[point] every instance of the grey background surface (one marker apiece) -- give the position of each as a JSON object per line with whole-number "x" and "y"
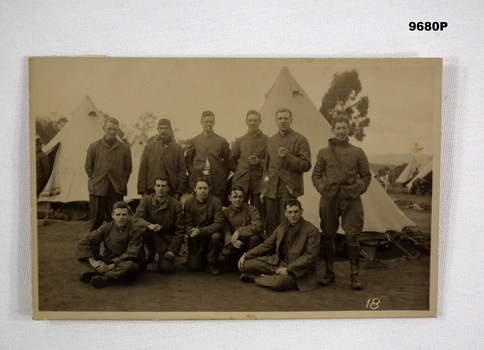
{"x": 254, "y": 29}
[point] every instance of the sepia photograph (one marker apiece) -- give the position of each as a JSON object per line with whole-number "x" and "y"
{"x": 230, "y": 188}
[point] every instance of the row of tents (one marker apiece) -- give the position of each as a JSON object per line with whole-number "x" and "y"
{"x": 411, "y": 173}
{"x": 68, "y": 182}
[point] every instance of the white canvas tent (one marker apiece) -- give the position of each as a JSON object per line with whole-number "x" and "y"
{"x": 424, "y": 171}
{"x": 407, "y": 173}
{"x": 137, "y": 148}
{"x": 381, "y": 213}
{"x": 68, "y": 181}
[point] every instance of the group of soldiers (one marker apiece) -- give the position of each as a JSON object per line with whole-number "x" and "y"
{"x": 268, "y": 240}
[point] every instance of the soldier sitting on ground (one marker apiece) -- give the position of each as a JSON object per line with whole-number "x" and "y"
{"x": 287, "y": 259}
{"x": 123, "y": 256}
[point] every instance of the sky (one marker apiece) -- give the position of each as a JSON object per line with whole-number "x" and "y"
{"x": 404, "y": 95}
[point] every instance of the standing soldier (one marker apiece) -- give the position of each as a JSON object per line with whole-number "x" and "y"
{"x": 162, "y": 158}
{"x": 248, "y": 158}
{"x": 288, "y": 157}
{"x": 208, "y": 155}
{"x": 341, "y": 175}
{"x": 108, "y": 166}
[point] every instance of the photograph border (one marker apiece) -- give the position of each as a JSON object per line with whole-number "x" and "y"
{"x": 253, "y": 315}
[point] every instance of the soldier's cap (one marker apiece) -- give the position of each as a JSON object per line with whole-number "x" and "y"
{"x": 164, "y": 121}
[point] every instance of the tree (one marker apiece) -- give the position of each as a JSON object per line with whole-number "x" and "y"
{"x": 48, "y": 126}
{"x": 342, "y": 98}
{"x": 140, "y": 129}
{"x": 146, "y": 122}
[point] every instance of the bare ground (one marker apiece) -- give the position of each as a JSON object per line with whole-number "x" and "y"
{"x": 400, "y": 283}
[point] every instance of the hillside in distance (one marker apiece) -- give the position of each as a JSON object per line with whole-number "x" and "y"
{"x": 394, "y": 159}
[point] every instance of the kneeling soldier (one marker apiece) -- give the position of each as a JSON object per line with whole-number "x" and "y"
{"x": 204, "y": 219}
{"x": 243, "y": 227}
{"x": 161, "y": 217}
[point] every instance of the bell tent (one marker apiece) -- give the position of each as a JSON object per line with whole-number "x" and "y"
{"x": 424, "y": 171}
{"x": 407, "y": 173}
{"x": 137, "y": 148}
{"x": 381, "y": 213}
{"x": 68, "y": 181}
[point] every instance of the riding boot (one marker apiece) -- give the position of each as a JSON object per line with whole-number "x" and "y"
{"x": 329, "y": 254}
{"x": 354, "y": 257}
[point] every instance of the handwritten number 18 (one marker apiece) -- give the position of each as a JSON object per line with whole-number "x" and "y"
{"x": 372, "y": 303}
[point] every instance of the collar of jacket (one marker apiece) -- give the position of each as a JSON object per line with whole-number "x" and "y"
{"x": 297, "y": 226}
{"x": 209, "y": 197}
{"x": 158, "y": 138}
{"x": 335, "y": 142}
{"x": 257, "y": 134}
{"x": 235, "y": 210}
{"x": 105, "y": 144}
{"x": 288, "y": 132}
{"x": 126, "y": 228}
{"x": 154, "y": 202}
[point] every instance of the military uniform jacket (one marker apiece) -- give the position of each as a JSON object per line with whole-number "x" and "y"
{"x": 169, "y": 216}
{"x": 214, "y": 148}
{"x": 352, "y": 161}
{"x": 289, "y": 169}
{"x": 244, "y": 172}
{"x": 157, "y": 157}
{"x": 302, "y": 252}
{"x": 246, "y": 221}
{"x": 207, "y": 216}
{"x": 105, "y": 164}
{"x": 118, "y": 246}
